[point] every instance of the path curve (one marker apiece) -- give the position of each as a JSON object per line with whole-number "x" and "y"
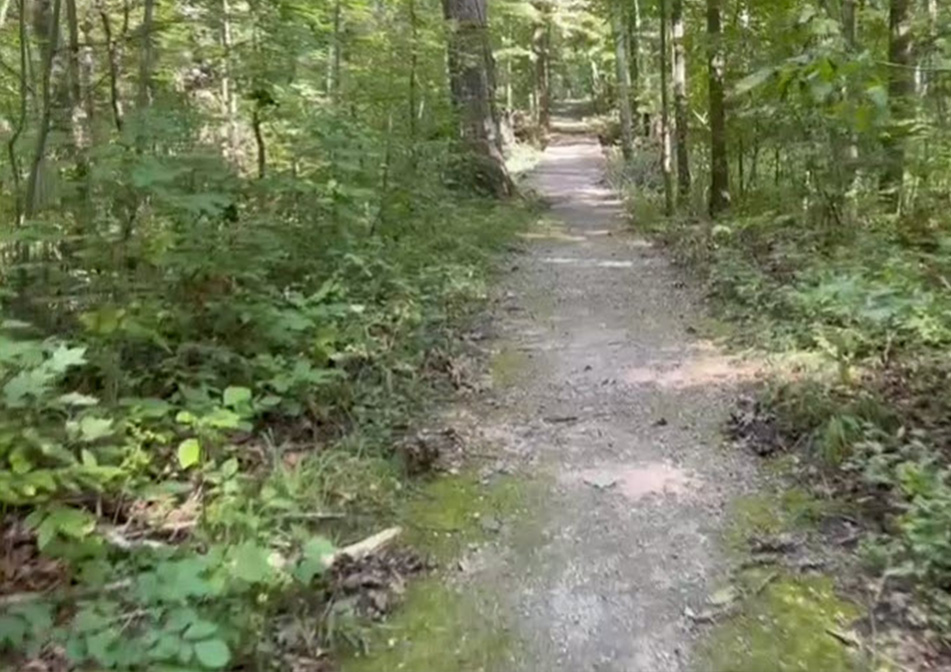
{"x": 604, "y": 389}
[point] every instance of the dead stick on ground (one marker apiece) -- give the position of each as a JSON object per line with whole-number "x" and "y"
{"x": 366, "y": 547}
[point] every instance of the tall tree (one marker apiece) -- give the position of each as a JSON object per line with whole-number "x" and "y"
{"x": 473, "y": 95}
{"x": 623, "y": 82}
{"x": 901, "y": 88}
{"x": 633, "y": 20}
{"x": 541, "y": 45}
{"x": 719, "y": 166}
{"x": 680, "y": 98}
{"x": 665, "y": 141}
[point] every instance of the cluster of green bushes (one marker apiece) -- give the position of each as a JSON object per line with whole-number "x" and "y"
{"x": 166, "y": 453}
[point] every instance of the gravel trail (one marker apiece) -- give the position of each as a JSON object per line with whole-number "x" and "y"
{"x": 602, "y": 386}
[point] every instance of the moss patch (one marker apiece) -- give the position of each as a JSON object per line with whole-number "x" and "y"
{"x": 785, "y": 628}
{"x": 766, "y": 514}
{"x": 438, "y": 629}
{"x": 453, "y": 511}
{"x": 508, "y": 366}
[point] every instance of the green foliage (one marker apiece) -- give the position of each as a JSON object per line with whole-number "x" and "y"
{"x": 228, "y": 250}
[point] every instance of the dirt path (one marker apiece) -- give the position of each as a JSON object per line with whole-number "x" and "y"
{"x": 602, "y": 387}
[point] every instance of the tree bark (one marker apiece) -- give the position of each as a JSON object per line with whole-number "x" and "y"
{"x": 901, "y": 88}
{"x": 145, "y": 94}
{"x": 334, "y": 58}
{"x": 849, "y": 25}
{"x": 680, "y": 99}
{"x": 471, "y": 85}
{"x": 228, "y": 95}
{"x": 49, "y": 45}
{"x": 665, "y": 153}
{"x": 541, "y": 45}
{"x": 21, "y": 119}
{"x": 112, "y": 51}
{"x": 633, "y": 18}
{"x": 719, "y": 171}
{"x": 623, "y": 83}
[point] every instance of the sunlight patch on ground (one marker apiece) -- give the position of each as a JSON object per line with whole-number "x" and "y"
{"x": 638, "y": 481}
{"x": 707, "y": 367}
{"x": 596, "y": 263}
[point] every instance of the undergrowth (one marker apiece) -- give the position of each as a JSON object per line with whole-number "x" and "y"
{"x": 176, "y": 467}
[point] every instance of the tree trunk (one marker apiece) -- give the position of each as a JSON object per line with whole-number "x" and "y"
{"x": 48, "y": 49}
{"x": 633, "y": 17}
{"x": 540, "y": 48}
{"x": 471, "y": 86}
{"x": 413, "y": 64}
{"x": 145, "y": 94}
{"x": 665, "y": 157}
{"x": 114, "y": 58}
{"x": 680, "y": 99}
{"x": 228, "y": 96}
{"x": 623, "y": 83}
{"x": 333, "y": 60}
{"x": 22, "y": 115}
{"x": 901, "y": 88}
{"x": 849, "y": 25}
{"x": 719, "y": 168}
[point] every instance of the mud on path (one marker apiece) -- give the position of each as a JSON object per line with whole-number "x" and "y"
{"x": 602, "y": 388}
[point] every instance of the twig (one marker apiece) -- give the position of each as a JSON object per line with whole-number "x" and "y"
{"x": 762, "y": 586}
{"x": 317, "y": 515}
{"x": 366, "y": 547}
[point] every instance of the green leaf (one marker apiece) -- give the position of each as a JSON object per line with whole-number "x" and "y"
{"x": 65, "y": 521}
{"x": 222, "y": 418}
{"x": 189, "y": 453}
{"x": 29, "y": 383}
{"x": 212, "y": 653}
{"x": 314, "y": 559}
{"x": 200, "y": 630}
{"x": 77, "y": 399}
{"x": 235, "y": 396}
{"x": 93, "y": 429}
{"x": 753, "y": 81}
{"x": 249, "y": 562}
{"x": 64, "y": 358}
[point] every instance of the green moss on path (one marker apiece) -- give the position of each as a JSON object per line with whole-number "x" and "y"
{"x": 439, "y": 626}
{"x": 787, "y": 627}
{"x": 438, "y": 629}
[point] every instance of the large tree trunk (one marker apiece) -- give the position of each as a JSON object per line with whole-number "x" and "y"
{"x": 473, "y": 97}
{"x": 720, "y": 170}
{"x": 665, "y": 158}
{"x": 901, "y": 87}
{"x": 623, "y": 83}
{"x": 680, "y": 98}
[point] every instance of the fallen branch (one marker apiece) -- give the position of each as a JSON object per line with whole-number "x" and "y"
{"x": 363, "y": 548}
